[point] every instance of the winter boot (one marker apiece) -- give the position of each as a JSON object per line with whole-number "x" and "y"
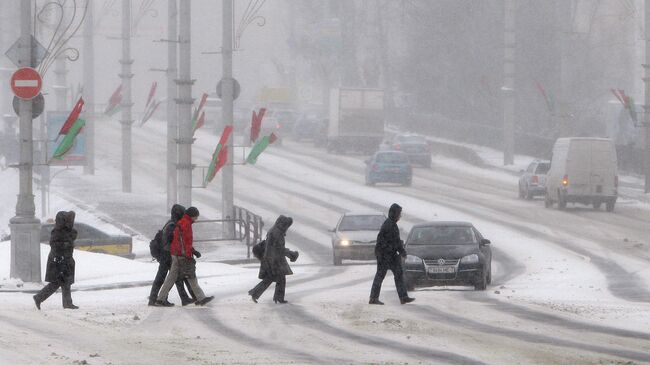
{"x": 375, "y": 301}
{"x": 37, "y": 302}
{"x": 406, "y": 300}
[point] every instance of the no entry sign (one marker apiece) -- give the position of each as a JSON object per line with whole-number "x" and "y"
{"x": 26, "y": 83}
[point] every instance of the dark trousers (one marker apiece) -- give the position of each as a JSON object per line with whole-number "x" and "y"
{"x": 51, "y": 288}
{"x": 280, "y": 285}
{"x": 163, "y": 269}
{"x": 383, "y": 265}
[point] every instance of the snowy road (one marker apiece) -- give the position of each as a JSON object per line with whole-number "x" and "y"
{"x": 568, "y": 287}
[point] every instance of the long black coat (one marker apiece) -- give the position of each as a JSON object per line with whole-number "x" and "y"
{"x": 177, "y": 213}
{"x": 389, "y": 245}
{"x": 274, "y": 263}
{"x": 61, "y": 248}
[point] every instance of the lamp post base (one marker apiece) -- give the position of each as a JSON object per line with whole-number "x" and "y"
{"x": 25, "y": 249}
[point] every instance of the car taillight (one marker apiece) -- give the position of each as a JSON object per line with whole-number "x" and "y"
{"x": 616, "y": 181}
{"x": 375, "y": 167}
{"x": 565, "y": 180}
{"x": 535, "y": 179}
{"x": 397, "y": 146}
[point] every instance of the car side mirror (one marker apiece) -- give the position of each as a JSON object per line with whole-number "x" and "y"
{"x": 485, "y": 242}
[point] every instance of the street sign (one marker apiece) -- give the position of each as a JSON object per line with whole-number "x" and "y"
{"x": 38, "y": 104}
{"x": 235, "y": 92}
{"x": 26, "y": 83}
{"x": 38, "y": 53}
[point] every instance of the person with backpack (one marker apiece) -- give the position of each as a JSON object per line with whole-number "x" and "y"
{"x": 159, "y": 248}
{"x": 183, "y": 263}
{"x": 274, "y": 266}
{"x": 60, "y": 263}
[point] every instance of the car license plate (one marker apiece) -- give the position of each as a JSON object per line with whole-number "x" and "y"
{"x": 441, "y": 269}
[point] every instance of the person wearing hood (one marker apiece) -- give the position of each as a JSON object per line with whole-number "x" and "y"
{"x": 165, "y": 261}
{"x": 183, "y": 263}
{"x": 60, "y": 264}
{"x": 389, "y": 250}
{"x": 274, "y": 266}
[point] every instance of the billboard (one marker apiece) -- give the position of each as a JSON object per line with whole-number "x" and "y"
{"x": 77, "y": 154}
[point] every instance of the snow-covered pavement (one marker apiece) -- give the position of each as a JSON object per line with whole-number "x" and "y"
{"x": 569, "y": 287}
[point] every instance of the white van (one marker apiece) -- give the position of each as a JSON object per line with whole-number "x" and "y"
{"x": 583, "y": 170}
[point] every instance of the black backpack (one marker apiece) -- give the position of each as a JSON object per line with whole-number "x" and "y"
{"x": 157, "y": 246}
{"x": 258, "y": 250}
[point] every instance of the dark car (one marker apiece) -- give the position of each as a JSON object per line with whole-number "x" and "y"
{"x": 355, "y": 236}
{"x": 533, "y": 181}
{"x": 92, "y": 239}
{"x": 447, "y": 253}
{"x": 389, "y": 166}
{"x": 416, "y": 147}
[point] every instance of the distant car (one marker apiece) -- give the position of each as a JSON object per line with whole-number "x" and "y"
{"x": 320, "y": 139}
{"x": 416, "y": 147}
{"x": 355, "y": 236}
{"x": 533, "y": 180}
{"x": 307, "y": 126}
{"x": 447, "y": 253}
{"x": 94, "y": 240}
{"x": 389, "y": 166}
{"x": 286, "y": 118}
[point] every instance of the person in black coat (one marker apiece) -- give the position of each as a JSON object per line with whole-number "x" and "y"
{"x": 165, "y": 262}
{"x": 389, "y": 250}
{"x": 60, "y": 264}
{"x": 274, "y": 266}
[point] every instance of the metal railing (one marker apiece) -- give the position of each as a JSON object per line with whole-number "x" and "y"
{"x": 247, "y": 228}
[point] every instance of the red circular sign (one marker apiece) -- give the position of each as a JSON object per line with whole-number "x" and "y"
{"x": 26, "y": 83}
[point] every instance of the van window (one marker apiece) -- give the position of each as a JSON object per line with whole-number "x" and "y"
{"x": 542, "y": 168}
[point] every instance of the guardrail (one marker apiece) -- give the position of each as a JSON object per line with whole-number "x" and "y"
{"x": 247, "y": 228}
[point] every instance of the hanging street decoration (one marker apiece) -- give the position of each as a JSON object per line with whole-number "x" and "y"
{"x": 114, "y": 102}
{"x": 72, "y": 118}
{"x": 627, "y": 101}
{"x": 220, "y": 155}
{"x": 256, "y": 124}
{"x": 68, "y": 141}
{"x": 152, "y": 104}
{"x": 548, "y": 99}
{"x": 259, "y": 147}
{"x": 198, "y": 118}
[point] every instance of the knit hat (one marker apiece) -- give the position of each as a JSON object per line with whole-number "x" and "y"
{"x": 192, "y": 212}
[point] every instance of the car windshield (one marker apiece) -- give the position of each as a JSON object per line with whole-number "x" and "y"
{"x": 361, "y": 223}
{"x": 412, "y": 139}
{"x": 542, "y": 167}
{"x": 442, "y": 235}
{"x": 391, "y": 158}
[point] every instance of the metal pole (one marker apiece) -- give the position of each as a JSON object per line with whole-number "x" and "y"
{"x": 61, "y": 88}
{"x": 172, "y": 95}
{"x": 25, "y": 228}
{"x": 89, "y": 90}
{"x": 646, "y": 80}
{"x": 227, "y": 187}
{"x": 509, "y": 83}
{"x": 185, "y": 102}
{"x": 126, "y": 76}
{"x": 563, "y": 32}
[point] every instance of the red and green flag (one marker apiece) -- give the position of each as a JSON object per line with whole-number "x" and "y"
{"x": 68, "y": 141}
{"x": 152, "y": 104}
{"x": 627, "y": 101}
{"x": 259, "y": 147}
{"x": 220, "y": 155}
{"x": 72, "y": 118}
{"x": 548, "y": 98}
{"x": 198, "y": 119}
{"x": 256, "y": 124}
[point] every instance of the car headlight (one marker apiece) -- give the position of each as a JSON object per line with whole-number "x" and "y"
{"x": 344, "y": 242}
{"x": 413, "y": 260}
{"x": 470, "y": 259}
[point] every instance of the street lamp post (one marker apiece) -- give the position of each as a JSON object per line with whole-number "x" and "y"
{"x": 227, "y": 187}
{"x": 25, "y": 227}
{"x": 126, "y": 76}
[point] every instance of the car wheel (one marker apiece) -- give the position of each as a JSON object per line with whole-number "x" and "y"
{"x": 521, "y": 192}
{"x": 337, "y": 261}
{"x": 489, "y": 275}
{"x": 548, "y": 203}
{"x": 596, "y": 205}
{"x": 528, "y": 194}
{"x": 561, "y": 202}
{"x": 609, "y": 206}
{"x": 481, "y": 284}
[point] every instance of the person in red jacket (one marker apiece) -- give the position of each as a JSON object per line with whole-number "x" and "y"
{"x": 183, "y": 263}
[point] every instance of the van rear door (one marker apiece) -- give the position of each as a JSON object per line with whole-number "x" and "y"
{"x": 603, "y": 168}
{"x": 578, "y": 167}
